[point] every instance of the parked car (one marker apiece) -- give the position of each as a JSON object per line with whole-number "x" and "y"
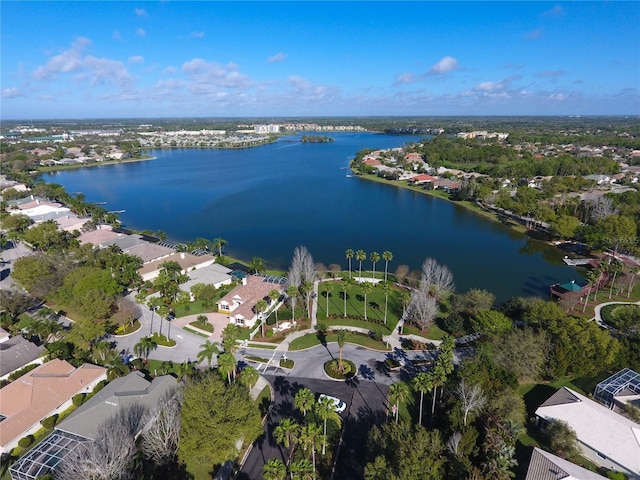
{"x": 338, "y": 405}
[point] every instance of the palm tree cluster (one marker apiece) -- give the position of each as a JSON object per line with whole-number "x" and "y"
{"x": 374, "y": 257}
{"x": 302, "y": 439}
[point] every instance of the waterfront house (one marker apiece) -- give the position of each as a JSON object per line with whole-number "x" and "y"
{"x": 604, "y": 437}
{"x": 422, "y": 179}
{"x": 215, "y": 274}
{"x": 187, "y": 262}
{"x": 44, "y": 391}
{"x": 239, "y": 303}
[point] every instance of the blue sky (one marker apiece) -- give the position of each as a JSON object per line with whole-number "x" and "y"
{"x": 236, "y": 59}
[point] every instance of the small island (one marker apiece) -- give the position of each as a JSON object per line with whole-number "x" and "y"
{"x": 316, "y": 139}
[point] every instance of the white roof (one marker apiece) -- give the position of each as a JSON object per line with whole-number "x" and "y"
{"x": 601, "y": 429}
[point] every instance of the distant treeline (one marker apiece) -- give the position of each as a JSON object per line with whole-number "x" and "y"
{"x": 316, "y": 139}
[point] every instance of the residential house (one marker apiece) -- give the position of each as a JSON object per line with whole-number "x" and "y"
{"x": 422, "y": 179}
{"x": 82, "y": 426}
{"x": 239, "y": 303}
{"x": 547, "y": 466}
{"x": 605, "y": 437}
{"x": 17, "y": 352}
{"x": 446, "y": 184}
{"x": 41, "y": 393}
{"x": 215, "y": 274}
{"x": 187, "y": 262}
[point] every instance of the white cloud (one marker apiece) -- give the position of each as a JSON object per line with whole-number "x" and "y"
{"x": 197, "y": 34}
{"x": 278, "y": 57}
{"x": 211, "y": 74}
{"x": 405, "y": 78}
{"x": 84, "y": 67}
{"x": 141, "y": 12}
{"x": 551, "y": 74}
{"x": 141, "y": 32}
{"x": 533, "y": 34}
{"x": 555, "y": 11}
{"x": 11, "y": 92}
{"x": 446, "y": 64}
{"x": 503, "y": 87}
{"x": 136, "y": 59}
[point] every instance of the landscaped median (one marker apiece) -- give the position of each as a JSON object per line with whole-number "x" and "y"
{"x": 357, "y": 338}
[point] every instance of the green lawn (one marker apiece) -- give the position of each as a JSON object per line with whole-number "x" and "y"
{"x": 355, "y": 301}
{"x": 312, "y": 339}
{"x": 432, "y": 333}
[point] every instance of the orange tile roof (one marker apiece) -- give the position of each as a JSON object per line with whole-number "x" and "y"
{"x": 250, "y": 294}
{"x": 37, "y": 394}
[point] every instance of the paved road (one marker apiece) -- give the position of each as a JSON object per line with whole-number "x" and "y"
{"x": 366, "y": 406}
{"x": 10, "y": 253}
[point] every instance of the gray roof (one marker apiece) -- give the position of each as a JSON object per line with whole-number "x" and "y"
{"x": 213, "y": 275}
{"x": 16, "y": 352}
{"x": 148, "y": 252}
{"x": 546, "y": 466}
{"x": 561, "y": 397}
{"x": 121, "y": 392}
{"x": 126, "y": 242}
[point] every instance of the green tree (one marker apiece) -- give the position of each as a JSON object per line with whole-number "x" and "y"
{"x": 248, "y": 377}
{"x": 349, "y": 254}
{"x": 227, "y": 366}
{"x": 304, "y": 400}
{"x": 260, "y": 307}
{"x": 422, "y": 383}
{"x": 292, "y": 293}
{"x": 366, "y": 288}
{"x": 219, "y": 244}
{"x": 257, "y": 265}
{"x": 438, "y": 377}
{"x": 398, "y": 392}
{"x": 324, "y": 411}
{"x": 360, "y": 256}
{"x": 565, "y": 226}
{"x": 375, "y": 258}
{"x": 217, "y": 420}
{"x": 309, "y": 439}
{"x": 230, "y": 336}
{"x": 286, "y": 434}
{"x": 562, "y": 439}
{"x": 274, "y": 469}
{"x": 144, "y": 347}
{"x": 491, "y": 321}
{"x": 342, "y": 339}
{"x": 302, "y": 470}
{"x": 274, "y": 296}
{"x": 344, "y": 284}
{"x": 387, "y": 256}
{"x": 386, "y": 288}
{"x": 207, "y": 351}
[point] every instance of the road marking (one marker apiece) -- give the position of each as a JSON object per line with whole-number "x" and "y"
{"x": 179, "y": 336}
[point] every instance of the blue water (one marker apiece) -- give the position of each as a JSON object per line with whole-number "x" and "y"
{"x": 267, "y": 200}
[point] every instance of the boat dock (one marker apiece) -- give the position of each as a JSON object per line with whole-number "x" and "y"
{"x": 576, "y": 261}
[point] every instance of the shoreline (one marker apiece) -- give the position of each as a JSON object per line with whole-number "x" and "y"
{"x": 58, "y": 168}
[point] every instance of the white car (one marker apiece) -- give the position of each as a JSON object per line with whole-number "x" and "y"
{"x": 338, "y": 405}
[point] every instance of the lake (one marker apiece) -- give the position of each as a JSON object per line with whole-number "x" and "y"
{"x": 267, "y": 200}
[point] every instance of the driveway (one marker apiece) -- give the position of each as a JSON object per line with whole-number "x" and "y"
{"x": 218, "y": 320}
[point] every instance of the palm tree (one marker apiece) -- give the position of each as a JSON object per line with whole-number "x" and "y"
{"x": 286, "y": 433}
{"x": 304, "y": 400}
{"x": 387, "y": 256}
{"x": 302, "y": 470}
{"x": 185, "y": 369}
{"x": 257, "y": 265}
{"x": 632, "y": 276}
{"x": 422, "y": 383}
{"x": 375, "y": 258}
{"x": 360, "y": 256}
{"x": 386, "y": 288}
{"x": 144, "y": 346}
{"x": 398, "y": 392}
{"x": 274, "y": 469}
{"x": 227, "y": 365}
{"x": 615, "y": 267}
{"x": 342, "y": 339}
{"x": 306, "y": 289}
{"x": 405, "y": 299}
{"x": 309, "y": 436}
{"x": 437, "y": 376}
{"x": 592, "y": 277}
{"x": 349, "y": 255}
{"x": 327, "y": 294}
{"x": 207, "y": 350}
{"x": 325, "y": 410}
{"x": 219, "y": 244}
{"x": 259, "y": 307}
{"x": 117, "y": 369}
{"x": 345, "y": 286}
{"x": 249, "y": 377}
{"x": 292, "y": 293}
{"x": 366, "y": 288}
{"x": 274, "y": 295}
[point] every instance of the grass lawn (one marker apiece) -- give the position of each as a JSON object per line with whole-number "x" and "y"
{"x": 158, "y": 367}
{"x": 348, "y": 322}
{"x": 312, "y": 340}
{"x": 355, "y": 301}
{"x": 193, "y": 308}
{"x": 432, "y": 333}
{"x": 191, "y": 330}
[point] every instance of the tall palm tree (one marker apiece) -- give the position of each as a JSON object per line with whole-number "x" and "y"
{"x": 227, "y": 365}
{"x": 405, "y": 299}
{"x": 207, "y": 351}
{"x": 438, "y": 377}
{"x": 345, "y": 286}
{"x": 592, "y": 277}
{"x": 306, "y": 289}
{"x": 292, "y": 293}
{"x": 375, "y": 258}
{"x": 342, "y": 339}
{"x": 249, "y": 377}
{"x": 274, "y": 296}
{"x": 185, "y": 369}
{"x": 117, "y": 369}
{"x": 422, "y": 383}
{"x": 144, "y": 346}
{"x": 309, "y": 437}
{"x": 386, "y": 288}
{"x": 366, "y": 288}
{"x": 349, "y": 255}
{"x": 219, "y": 244}
{"x": 398, "y": 392}
{"x": 259, "y": 308}
{"x": 325, "y": 410}
{"x": 304, "y": 400}
{"x": 387, "y": 256}
{"x": 274, "y": 469}
{"x": 286, "y": 433}
{"x": 257, "y": 265}
{"x": 615, "y": 267}
{"x": 360, "y": 256}
{"x": 302, "y": 470}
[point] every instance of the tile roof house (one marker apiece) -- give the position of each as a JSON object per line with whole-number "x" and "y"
{"x": 187, "y": 261}
{"x": 547, "y": 466}
{"x": 40, "y": 393}
{"x": 605, "y": 437}
{"x": 215, "y": 274}
{"x": 17, "y": 352}
{"x": 422, "y": 179}
{"x": 239, "y": 303}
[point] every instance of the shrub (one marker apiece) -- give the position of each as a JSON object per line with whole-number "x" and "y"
{"x": 22, "y": 371}
{"x": 78, "y": 399}
{"x": 269, "y": 333}
{"x": 201, "y": 319}
{"x": 50, "y": 422}
{"x": 24, "y": 442}
{"x": 288, "y": 363}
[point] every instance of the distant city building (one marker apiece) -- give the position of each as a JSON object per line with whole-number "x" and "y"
{"x": 266, "y": 129}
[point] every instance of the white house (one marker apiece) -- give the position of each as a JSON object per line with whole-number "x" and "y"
{"x": 604, "y": 436}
